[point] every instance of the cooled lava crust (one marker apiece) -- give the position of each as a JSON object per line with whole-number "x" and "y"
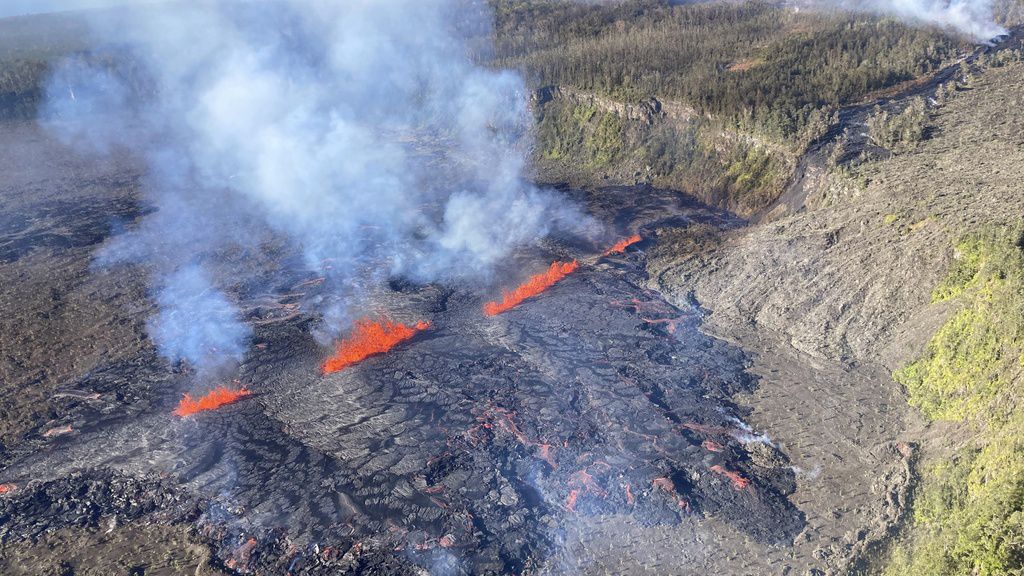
{"x": 467, "y": 449}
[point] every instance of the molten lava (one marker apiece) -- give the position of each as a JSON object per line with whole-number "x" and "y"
{"x": 570, "y": 502}
{"x": 535, "y": 285}
{"x": 738, "y": 481}
{"x": 57, "y": 431}
{"x": 621, "y": 245}
{"x": 712, "y": 446}
{"x": 211, "y": 401}
{"x": 547, "y": 456}
{"x": 369, "y": 338}
{"x": 669, "y": 487}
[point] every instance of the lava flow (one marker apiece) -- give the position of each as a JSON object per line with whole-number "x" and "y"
{"x": 535, "y": 285}
{"x": 738, "y": 481}
{"x": 621, "y": 245}
{"x": 369, "y": 338}
{"x": 210, "y": 401}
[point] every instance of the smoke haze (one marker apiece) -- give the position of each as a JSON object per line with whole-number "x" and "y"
{"x": 359, "y": 131}
{"x": 974, "y": 18}
{"x": 23, "y": 7}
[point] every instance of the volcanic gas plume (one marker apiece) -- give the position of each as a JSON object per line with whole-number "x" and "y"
{"x": 535, "y": 285}
{"x": 211, "y": 401}
{"x": 621, "y": 245}
{"x": 369, "y": 338}
{"x": 305, "y": 125}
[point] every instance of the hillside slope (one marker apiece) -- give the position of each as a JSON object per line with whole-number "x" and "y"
{"x": 839, "y": 296}
{"x": 849, "y": 281}
{"x": 716, "y": 99}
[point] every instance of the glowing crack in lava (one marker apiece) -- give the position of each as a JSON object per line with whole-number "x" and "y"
{"x": 621, "y": 245}
{"x": 369, "y": 338}
{"x": 738, "y": 481}
{"x": 535, "y": 285}
{"x": 210, "y": 401}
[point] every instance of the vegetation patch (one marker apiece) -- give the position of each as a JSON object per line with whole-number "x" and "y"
{"x": 900, "y": 132}
{"x": 781, "y": 66}
{"x": 969, "y": 510}
{"x": 699, "y": 156}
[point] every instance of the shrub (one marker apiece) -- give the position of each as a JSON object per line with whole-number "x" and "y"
{"x": 969, "y": 511}
{"x": 899, "y": 132}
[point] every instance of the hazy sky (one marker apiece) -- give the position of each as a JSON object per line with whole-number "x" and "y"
{"x": 20, "y": 7}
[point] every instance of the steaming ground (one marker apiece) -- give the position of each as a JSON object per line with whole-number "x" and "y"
{"x": 485, "y": 444}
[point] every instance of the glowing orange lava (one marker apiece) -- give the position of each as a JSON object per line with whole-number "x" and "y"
{"x": 547, "y": 456}
{"x": 242, "y": 556}
{"x": 738, "y": 481}
{"x": 211, "y": 401}
{"x": 369, "y": 338}
{"x": 712, "y": 446}
{"x": 666, "y": 485}
{"x": 570, "y": 502}
{"x": 535, "y": 285}
{"x": 621, "y": 245}
{"x": 57, "y": 431}
{"x": 7, "y": 488}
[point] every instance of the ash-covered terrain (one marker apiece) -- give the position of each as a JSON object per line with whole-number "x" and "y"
{"x": 471, "y": 448}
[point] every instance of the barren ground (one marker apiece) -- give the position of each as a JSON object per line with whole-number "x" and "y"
{"x": 832, "y": 299}
{"x": 484, "y": 445}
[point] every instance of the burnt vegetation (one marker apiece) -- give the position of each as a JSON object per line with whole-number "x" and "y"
{"x": 30, "y": 47}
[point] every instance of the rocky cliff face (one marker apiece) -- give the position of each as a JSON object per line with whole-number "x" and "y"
{"x": 590, "y": 141}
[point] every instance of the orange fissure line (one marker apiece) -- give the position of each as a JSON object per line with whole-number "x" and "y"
{"x": 621, "y": 245}
{"x": 369, "y": 338}
{"x": 211, "y": 401}
{"x": 738, "y": 481}
{"x": 532, "y": 287}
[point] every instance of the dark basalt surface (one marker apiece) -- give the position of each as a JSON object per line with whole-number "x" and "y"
{"x": 464, "y": 450}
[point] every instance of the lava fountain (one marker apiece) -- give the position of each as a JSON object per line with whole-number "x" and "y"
{"x": 621, "y": 245}
{"x": 211, "y": 401}
{"x": 369, "y": 338}
{"x": 532, "y": 287}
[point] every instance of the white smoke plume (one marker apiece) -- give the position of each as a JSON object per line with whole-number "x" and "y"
{"x": 358, "y": 130}
{"x": 974, "y": 18}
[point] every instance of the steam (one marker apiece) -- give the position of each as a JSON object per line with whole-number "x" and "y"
{"x": 974, "y": 18}
{"x": 360, "y": 132}
{"x": 197, "y": 321}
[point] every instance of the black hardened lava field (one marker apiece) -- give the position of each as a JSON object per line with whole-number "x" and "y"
{"x": 466, "y": 449}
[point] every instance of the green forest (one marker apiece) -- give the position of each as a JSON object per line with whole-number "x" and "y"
{"x": 756, "y": 65}
{"x": 762, "y": 82}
